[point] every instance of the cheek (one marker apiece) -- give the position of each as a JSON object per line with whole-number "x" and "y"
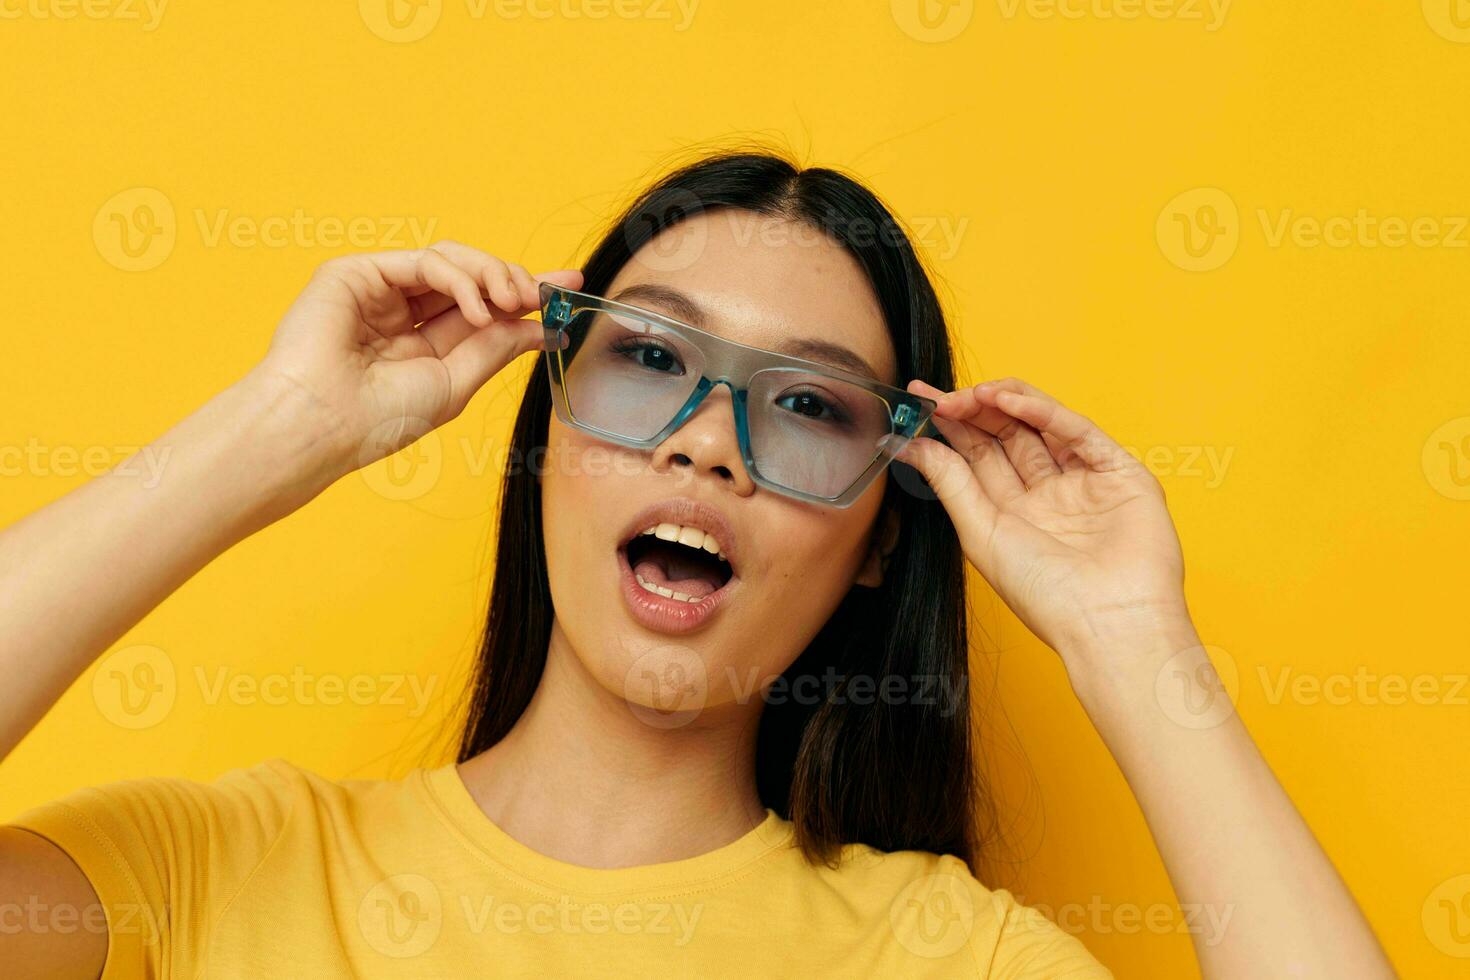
{"x": 588, "y": 488}
{"x": 573, "y": 503}
{"x": 596, "y": 478}
{"x": 811, "y": 557}
{"x": 582, "y": 574}
{"x": 810, "y": 569}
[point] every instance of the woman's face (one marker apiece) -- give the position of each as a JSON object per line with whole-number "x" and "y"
{"x": 765, "y": 282}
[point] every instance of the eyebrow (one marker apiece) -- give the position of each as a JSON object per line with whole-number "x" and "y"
{"x": 680, "y": 306}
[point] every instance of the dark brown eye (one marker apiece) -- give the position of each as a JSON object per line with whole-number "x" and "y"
{"x": 647, "y": 354}
{"x": 811, "y": 405}
{"x": 658, "y": 359}
{"x": 808, "y": 405}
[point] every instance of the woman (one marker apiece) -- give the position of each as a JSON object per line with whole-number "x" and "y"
{"x": 720, "y": 723}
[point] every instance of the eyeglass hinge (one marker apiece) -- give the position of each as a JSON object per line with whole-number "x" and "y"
{"x": 559, "y": 310}
{"x": 904, "y": 415}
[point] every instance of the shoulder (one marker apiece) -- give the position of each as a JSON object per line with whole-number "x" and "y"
{"x": 165, "y": 855}
{"x": 139, "y": 825}
{"x": 937, "y": 908}
{"x": 261, "y": 794}
{"x": 263, "y": 791}
{"x": 157, "y": 831}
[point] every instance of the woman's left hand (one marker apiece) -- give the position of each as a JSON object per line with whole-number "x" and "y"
{"x": 1067, "y": 527}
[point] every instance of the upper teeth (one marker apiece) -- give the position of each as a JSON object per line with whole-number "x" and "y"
{"x": 693, "y": 537}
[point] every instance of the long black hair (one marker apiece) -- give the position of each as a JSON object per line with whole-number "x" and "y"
{"x": 889, "y": 765}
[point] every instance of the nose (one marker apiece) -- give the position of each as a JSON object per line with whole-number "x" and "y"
{"x": 706, "y": 447}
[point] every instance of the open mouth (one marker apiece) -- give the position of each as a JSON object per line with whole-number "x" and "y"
{"x": 677, "y": 562}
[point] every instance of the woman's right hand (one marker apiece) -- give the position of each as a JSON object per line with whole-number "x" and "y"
{"x": 387, "y": 345}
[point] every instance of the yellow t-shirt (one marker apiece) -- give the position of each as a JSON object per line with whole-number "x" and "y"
{"x": 274, "y": 871}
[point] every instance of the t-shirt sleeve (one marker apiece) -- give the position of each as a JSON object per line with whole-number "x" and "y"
{"x": 1029, "y": 945}
{"x": 165, "y": 855}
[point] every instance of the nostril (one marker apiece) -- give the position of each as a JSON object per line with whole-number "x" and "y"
{"x": 719, "y": 469}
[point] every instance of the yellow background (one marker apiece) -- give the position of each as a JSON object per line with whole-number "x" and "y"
{"x": 1328, "y": 538}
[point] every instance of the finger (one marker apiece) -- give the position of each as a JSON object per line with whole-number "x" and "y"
{"x": 446, "y": 277}
{"x": 570, "y": 278}
{"x": 445, "y": 331}
{"x": 431, "y": 304}
{"x": 953, "y": 404}
{"x": 1070, "y": 432}
{"x": 985, "y": 457}
{"x": 954, "y": 483}
{"x": 1023, "y": 445}
{"x": 1065, "y": 458}
{"x": 992, "y": 463}
{"x": 525, "y": 286}
{"x": 403, "y": 270}
{"x": 481, "y": 355}
{"x": 960, "y": 405}
{"x": 488, "y": 270}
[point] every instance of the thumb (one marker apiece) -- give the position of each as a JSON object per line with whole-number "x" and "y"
{"x": 570, "y": 278}
{"x": 953, "y": 482}
{"x": 481, "y": 355}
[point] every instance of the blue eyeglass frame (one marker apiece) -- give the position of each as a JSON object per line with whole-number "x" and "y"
{"x": 732, "y": 365}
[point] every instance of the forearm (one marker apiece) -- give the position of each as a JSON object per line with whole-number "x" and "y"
{"x": 1233, "y": 842}
{"x": 80, "y": 572}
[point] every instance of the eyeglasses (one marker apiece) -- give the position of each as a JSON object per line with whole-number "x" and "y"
{"x": 806, "y": 430}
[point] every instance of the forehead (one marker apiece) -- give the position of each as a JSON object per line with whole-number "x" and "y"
{"x": 767, "y": 282}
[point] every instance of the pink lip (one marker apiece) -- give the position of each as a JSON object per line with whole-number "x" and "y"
{"x": 668, "y": 615}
